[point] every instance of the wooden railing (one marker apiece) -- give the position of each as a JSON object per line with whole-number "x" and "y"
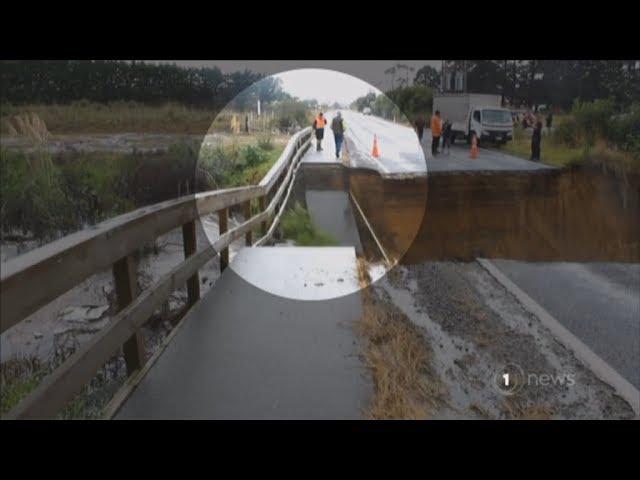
{"x": 32, "y": 280}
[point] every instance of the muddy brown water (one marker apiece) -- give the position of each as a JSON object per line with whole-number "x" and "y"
{"x": 560, "y": 215}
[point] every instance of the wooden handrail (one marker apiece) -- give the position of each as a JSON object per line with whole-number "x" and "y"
{"x": 32, "y": 280}
{"x": 62, "y": 264}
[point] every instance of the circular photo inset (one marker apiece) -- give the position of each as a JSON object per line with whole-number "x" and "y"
{"x": 320, "y": 181}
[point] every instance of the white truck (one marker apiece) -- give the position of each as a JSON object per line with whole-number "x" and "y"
{"x": 471, "y": 113}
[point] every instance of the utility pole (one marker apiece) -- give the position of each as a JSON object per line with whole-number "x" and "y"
{"x": 504, "y": 80}
{"x": 464, "y": 65}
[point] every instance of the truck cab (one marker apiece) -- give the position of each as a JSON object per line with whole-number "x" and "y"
{"x": 477, "y": 113}
{"x": 491, "y": 124}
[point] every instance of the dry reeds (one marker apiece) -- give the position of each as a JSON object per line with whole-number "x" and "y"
{"x": 398, "y": 356}
{"x": 28, "y": 125}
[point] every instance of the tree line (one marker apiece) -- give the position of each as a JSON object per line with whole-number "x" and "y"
{"x": 104, "y": 81}
{"x": 530, "y": 83}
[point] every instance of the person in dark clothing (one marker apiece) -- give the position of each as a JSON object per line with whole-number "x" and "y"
{"x": 246, "y": 123}
{"x": 549, "y": 121}
{"x": 446, "y": 136}
{"x": 337, "y": 126}
{"x": 536, "y": 139}
{"x": 419, "y": 124}
{"x": 318, "y": 125}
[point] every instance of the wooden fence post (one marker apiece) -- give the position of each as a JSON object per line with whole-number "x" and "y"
{"x": 262, "y": 202}
{"x": 126, "y": 283}
{"x": 223, "y": 222}
{"x": 247, "y": 215}
{"x": 190, "y": 247}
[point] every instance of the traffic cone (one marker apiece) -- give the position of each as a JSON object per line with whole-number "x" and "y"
{"x": 375, "y": 152}
{"x": 474, "y": 147}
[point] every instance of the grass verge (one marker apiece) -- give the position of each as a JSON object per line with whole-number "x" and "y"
{"x": 551, "y": 153}
{"x": 398, "y": 355}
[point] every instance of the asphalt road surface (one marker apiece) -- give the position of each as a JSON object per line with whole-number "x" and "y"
{"x": 597, "y": 302}
{"x": 401, "y": 152}
{"x": 459, "y": 159}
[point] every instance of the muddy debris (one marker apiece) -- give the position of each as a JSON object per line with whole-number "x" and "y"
{"x": 477, "y": 329}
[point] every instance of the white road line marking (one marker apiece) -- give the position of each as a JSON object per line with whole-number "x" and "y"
{"x": 598, "y": 366}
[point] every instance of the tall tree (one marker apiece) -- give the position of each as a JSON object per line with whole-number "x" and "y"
{"x": 427, "y": 76}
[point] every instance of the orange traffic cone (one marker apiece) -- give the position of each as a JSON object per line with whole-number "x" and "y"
{"x": 474, "y": 146}
{"x": 375, "y": 152}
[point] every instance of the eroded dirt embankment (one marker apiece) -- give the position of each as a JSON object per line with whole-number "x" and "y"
{"x": 564, "y": 215}
{"x": 469, "y": 325}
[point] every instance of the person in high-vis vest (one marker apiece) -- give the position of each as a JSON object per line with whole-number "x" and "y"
{"x": 436, "y": 131}
{"x": 318, "y": 125}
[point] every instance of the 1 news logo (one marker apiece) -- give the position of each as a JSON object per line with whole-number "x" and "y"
{"x": 511, "y": 378}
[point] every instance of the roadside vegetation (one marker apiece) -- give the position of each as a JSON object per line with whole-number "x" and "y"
{"x": 84, "y": 117}
{"x": 297, "y": 226}
{"x": 89, "y": 118}
{"x": 20, "y": 376}
{"x": 44, "y": 196}
{"x": 399, "y": 358}
{"x": 591, "y": 134}
{"x": 236, "y": 164}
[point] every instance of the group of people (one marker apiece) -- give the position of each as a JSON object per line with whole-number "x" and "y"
{"x": 337, "y": 126}
{"x": 439, "y": 132}
{"x": 442, "y": 132}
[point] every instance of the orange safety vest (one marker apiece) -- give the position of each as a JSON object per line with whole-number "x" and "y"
{"x": 436, "y": 126}
{"x": 320, "y": 122}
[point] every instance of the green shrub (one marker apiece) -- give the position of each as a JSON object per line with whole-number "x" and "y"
{"x": 18, "y": 378}
{"x": 297, "y": 226}
{"x": 625, "y": 131}
{"x": 48, "y": 198}
{"x": 32, "y": 195}
{"x": 592, "y": 123}
{"x": 589, "y": 122}
{"x": 98, "y": 185}
{"x": 252, "y": 156}
{"x": 266, "y": 143}
{"x": 291, "y": 113}
{"x": 413, "y": 100}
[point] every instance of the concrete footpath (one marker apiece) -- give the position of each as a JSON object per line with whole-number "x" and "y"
{"x": 244, "y": 353}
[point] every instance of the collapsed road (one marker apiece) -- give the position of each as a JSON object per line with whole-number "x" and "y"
{"x": 426, "y": 233}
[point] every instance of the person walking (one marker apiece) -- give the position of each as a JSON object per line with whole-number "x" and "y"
{"x": 436, "y": 131}
{"x": 419, "y": 124}
{"x": 337, "y": 126}
{"x": 446, "y": 136}
{"x": 536, "y": 139}
{"x": 318, "y": 125}
{"x": 549, "y": 121}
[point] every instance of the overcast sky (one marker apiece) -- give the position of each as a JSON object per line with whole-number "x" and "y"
{"x": 317, "y": 84}
{"x": 326, "y": 86}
